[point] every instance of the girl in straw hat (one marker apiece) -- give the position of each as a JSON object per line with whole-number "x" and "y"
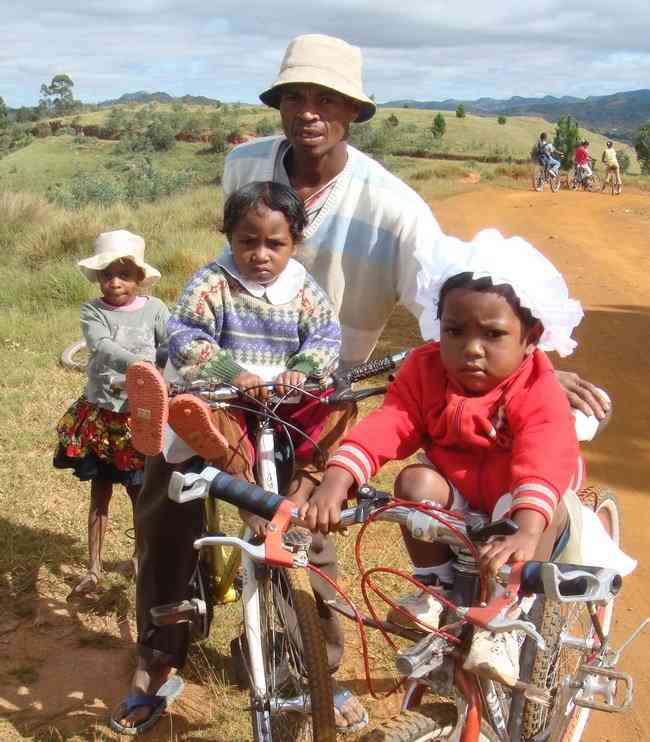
{"x": 120, "y": 327}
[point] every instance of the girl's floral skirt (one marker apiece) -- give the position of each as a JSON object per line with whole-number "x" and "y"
{"x": 96, "y": 444}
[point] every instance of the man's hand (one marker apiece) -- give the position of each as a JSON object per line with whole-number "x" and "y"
{"x": 323, "y": 509}
{"x": 583, "y": 395}
{"x": 287, "y": 380}
{"x": 250, "y": 383}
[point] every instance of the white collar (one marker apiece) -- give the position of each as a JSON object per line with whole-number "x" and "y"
{"x": 285, "y": 287}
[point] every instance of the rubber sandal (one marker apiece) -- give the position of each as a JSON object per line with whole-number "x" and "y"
{"x": 148, "y": 405}
{"x": 341, "y": 697}
{"x": 168, "y": 692}
{"x": 90, "y": 577}
{"x": 191, "y": 419}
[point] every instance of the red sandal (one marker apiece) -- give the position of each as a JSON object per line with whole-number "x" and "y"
{"x": 191, "y": 419}
{"x": 149, "y": 407}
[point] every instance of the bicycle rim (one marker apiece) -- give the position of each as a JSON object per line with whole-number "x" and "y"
{"x": 299, "y": 704}
{"x": 538, "y": 180}
{"x": 560, "y": 661}
{"x": 555, "y": 183}
{"x": 75, "y": 356}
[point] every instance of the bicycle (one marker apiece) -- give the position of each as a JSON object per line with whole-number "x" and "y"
{"x": 578, "y": 178}
{"x": 284, "y": 649}
{"x": 567, "y": 662}
{"x": 543, "y": 174}
{"x": 613, "y": 179}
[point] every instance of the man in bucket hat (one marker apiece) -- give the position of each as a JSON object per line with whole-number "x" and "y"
{"x": 364, "y": 228}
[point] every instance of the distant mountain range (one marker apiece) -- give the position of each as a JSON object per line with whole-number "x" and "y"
{"x": 143, "y": 97}
{"x": 618, "y": 115}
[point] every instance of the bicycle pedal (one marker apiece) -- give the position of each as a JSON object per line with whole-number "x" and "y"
{"x": 173, "y": 613}
{"x": 604, "y": 682}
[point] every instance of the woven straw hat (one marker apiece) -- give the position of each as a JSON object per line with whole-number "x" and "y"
{"x": 115, "y": 245}
{"x": 322, "y": 60}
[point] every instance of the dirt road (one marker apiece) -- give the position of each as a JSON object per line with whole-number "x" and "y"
{"x": 602, "y": 245}
{"x": 61, "y": 666}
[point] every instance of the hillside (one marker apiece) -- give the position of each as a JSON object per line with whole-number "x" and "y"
{"x": 618, "y": 115}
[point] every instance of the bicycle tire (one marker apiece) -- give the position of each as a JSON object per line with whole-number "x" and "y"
{"x": 538, "y": 179}
{"x": 555, "y": 182}
{"x": 414, "y": 726}
{"x": 594, "y": 183}
{"x": 71, "y": 359}
{"x": 558, "y": 660}
{"x": 574, "y": 182}
{"x": 295, "y": 659}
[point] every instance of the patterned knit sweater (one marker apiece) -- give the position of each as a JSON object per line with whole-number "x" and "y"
{"x": 224, "y": 324}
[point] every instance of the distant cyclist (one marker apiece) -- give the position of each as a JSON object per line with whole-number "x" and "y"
{"x": 613, "y": 168}
{"x": 583, "y": 159}
{"x": 545, "y": 152}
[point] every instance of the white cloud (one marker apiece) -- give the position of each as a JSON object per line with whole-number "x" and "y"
{"x": 426, "y": 49}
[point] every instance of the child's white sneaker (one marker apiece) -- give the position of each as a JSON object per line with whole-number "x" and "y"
{"x": 422, "y": 605}
{"x": 495, "y": 654}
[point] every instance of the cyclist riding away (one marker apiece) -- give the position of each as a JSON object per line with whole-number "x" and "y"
{"x": 613, "y": 169}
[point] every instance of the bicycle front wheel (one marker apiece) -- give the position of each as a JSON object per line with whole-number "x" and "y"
{"x": 574, "y": 181}
{"x": 414, "y": 726}
{"x": 559, "y": 660}
{"x": 554, "y": 180}
{"x": 299, "y": 703}
{"x": 593, "y": 184}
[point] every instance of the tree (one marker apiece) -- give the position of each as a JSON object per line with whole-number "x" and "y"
{"x": 4, "y": 114}
{"x": 24, "y": 114}
{"x": 642, "y": 147}
{"x": 439, "y": 126}
{"x": 502, "y": 120}
{"x": 57, "y": 96}
{"x": 567, "y": 138}
{"x": 460, "y": 111}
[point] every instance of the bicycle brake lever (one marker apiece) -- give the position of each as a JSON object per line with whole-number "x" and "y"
{"x": 503, "y": 527}
{"x": 191, "y": 486}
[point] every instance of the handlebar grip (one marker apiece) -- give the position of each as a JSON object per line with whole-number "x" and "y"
{"x": 372, "y": 368}
{"x": 531, "y": 579}
{"x": 244, "y": 495}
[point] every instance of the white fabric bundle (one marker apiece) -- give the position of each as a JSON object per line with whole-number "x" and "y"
{"x": 536, "y": 282}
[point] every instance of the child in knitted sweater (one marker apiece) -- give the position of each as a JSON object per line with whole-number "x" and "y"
{"x": 253, "y": 316}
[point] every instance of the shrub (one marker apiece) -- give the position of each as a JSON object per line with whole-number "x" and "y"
{"x": 567, "y": 138}
{"x": 264, "y": 128}
{"x": 460, "y": 111}
{"x": 642, "y": 147}
{"x": 161, "y": 134}
{"x": 439, "y": 126}
{"x": 624, "y": 160}
{"x": 218, "y": 141}
{"x": 392, "y": 120}
{"x": 368, "y": 138}
{"x": 501, "y": 120}
{"x": 42, "y": 129}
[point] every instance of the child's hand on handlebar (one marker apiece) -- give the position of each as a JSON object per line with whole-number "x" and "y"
{"x": 285, "y": 381}
{"x": 251, "y": 384}
{"x": 520, "y": 547}
{"x": 322, "y": 512}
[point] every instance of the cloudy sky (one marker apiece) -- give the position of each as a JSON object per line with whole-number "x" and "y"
{"x": 423, "y": 49}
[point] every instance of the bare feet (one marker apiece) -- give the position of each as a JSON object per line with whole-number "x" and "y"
{"x": 349, "y": 713}
{"x": 89, "y": 583}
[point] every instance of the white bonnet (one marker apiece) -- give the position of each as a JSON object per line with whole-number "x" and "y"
{"x": 536, "y": 282}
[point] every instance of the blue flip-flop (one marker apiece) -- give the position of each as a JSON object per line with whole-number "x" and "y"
{"x": 159, "y": 702}
{"x": 341, "y": 696}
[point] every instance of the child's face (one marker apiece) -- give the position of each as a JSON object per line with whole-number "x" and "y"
{"x": 262, "y": 244}
{"x": 482, "y": 341}
{"x": 119, "y": 282}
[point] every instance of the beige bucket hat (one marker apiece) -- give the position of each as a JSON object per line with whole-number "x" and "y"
{"x": 111, "y": 246}
{"x": 322, "y": 60}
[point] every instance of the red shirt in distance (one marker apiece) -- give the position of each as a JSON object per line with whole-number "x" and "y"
{"x": 581, "y": 156}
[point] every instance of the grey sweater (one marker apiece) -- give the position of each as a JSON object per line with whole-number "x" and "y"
{"x": 116, "y": 338}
